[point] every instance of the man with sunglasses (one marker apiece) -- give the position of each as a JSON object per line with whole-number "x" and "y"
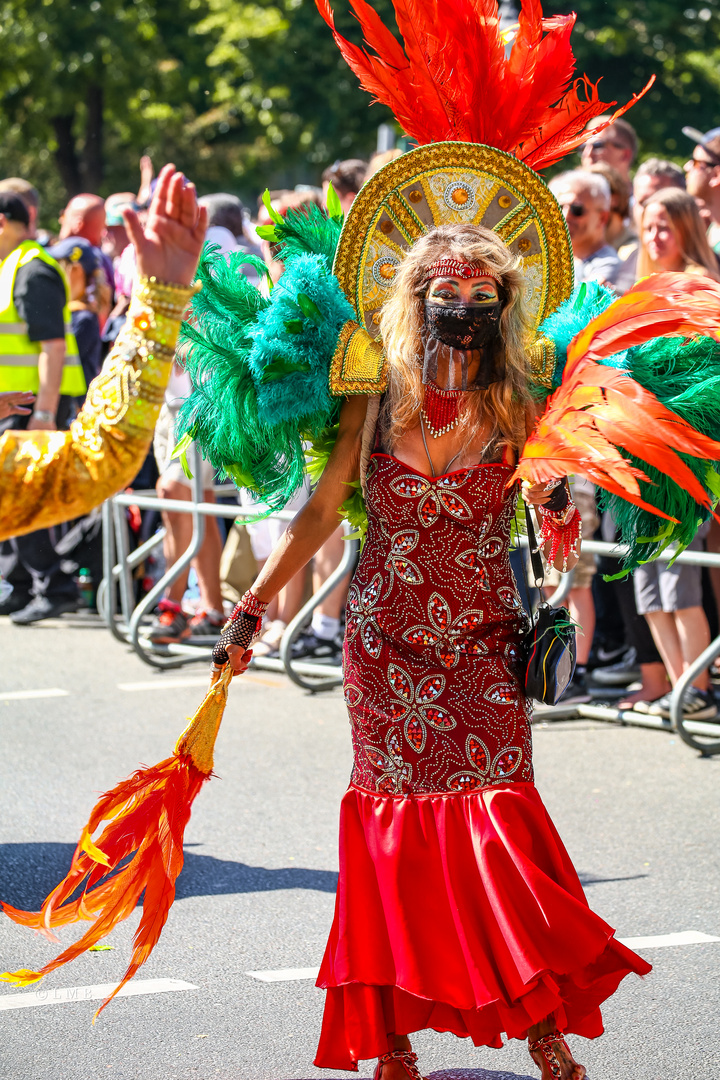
{"x": 702, "y": 176}
{"x": 616, "y": 146}
{"x": 585, "y": 201}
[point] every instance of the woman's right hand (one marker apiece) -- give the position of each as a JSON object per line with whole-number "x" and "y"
{"x": 16, "y": 403}
{"x": 238, "y": 659}
{"x": 169, "y": 246}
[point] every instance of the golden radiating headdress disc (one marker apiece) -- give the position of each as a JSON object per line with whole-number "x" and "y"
{"x": 452, "y": 183}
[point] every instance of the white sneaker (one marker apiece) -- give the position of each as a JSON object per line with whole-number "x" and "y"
{"x": 269, "y": 643}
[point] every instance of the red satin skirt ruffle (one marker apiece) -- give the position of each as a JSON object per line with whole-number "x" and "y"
{"x": 460, "y": 913}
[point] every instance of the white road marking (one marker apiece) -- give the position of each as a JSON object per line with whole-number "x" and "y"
{"x": 67, "y": 994}
{"x": 663, "y": 941}
{"x": 190, "y": 680}
{"x": 655, "y": 941}
{"x": 166, "y": 684}
{"x": 285, "y": 974}
{"x": 22, "y": 695}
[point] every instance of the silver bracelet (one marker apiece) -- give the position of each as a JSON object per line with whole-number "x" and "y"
{"x": 44, "y": 416}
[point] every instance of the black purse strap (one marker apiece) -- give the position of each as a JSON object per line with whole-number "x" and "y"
{"x": 535, "y": 560}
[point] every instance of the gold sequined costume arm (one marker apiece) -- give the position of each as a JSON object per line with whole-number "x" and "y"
{"x": 51, "y": 476}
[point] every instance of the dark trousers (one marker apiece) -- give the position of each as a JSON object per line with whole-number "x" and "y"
{"x": 30, "y": 563}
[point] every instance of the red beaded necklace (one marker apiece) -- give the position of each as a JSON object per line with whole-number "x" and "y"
{"x": 441, "y": 409}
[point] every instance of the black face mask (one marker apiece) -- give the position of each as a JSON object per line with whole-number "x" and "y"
{"x": 463, "y": 326}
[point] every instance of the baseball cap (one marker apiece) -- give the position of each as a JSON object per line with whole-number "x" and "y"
{"x": 13, "y": 208}
{"x": 76, "y": 249}
{"x": 114, "y": 207}
{"x": 702, "y": 140}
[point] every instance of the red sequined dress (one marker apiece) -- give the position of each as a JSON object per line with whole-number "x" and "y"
{"x": 457, "y": 907}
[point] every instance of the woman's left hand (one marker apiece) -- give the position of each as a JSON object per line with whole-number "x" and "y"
{"x": 536, "y": 494}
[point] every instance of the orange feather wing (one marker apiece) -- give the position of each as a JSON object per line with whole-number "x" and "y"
{"x": 598, "y": 409}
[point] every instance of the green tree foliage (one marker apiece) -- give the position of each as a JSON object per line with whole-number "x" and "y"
{"x": 241, "y": 94}
{"x": 627, "y": 41}
{"x": 85, "y": 86}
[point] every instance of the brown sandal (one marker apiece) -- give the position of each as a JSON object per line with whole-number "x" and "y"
{"x": 406, "y": 1058}
{"x": 545, "y": 1045}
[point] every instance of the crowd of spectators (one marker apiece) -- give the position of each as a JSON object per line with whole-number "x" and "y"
{"x": 624, "y": 226}
{"x": 68, "y": 292}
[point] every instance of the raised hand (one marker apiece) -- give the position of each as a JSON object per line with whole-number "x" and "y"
{"x": 169, "y": 246}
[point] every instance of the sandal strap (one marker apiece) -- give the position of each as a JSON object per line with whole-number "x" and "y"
{"x": 407, "y": 1059}
{"x": 545, "y": 1045}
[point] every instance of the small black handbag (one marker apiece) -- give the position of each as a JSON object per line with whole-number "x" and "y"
{"x": 550, "y": 643}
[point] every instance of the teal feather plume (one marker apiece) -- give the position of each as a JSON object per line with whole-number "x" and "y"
{"x": 259, "y": 368}
{"x": 300, "y": 345}
{"x": 586, "y": 302}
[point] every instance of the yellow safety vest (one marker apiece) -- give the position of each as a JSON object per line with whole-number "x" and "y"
{"x": 19, "y": 355}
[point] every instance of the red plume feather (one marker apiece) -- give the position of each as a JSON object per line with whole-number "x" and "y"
{"x": 146, "y": 815}
{"x": 598, "y": 408}
{"x": 453, "y": 80}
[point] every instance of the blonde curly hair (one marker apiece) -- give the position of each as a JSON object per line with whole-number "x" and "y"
{"x": 497, "y": 413}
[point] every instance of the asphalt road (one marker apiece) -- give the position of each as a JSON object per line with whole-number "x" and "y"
{"x": 637, "y": 809}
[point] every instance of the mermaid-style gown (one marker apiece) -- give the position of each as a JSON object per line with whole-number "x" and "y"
{"x": 457, "y": 907}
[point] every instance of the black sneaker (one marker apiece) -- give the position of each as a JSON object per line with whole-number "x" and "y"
{"x": 311, "y": 647}
{"x": 575, "y": 694}
{"x": 204, "y": 624}
{"x": 39, "y": 608}
{"x": 16, "y": 601}
{"x": 622, "y": 673}
{"x": 697, "y": 705}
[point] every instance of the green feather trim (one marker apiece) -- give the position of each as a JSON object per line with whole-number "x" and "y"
{"x": 685, "y": 376}
{"x": 221, "y": 414}
{"x": 305, "y": 230}
{"x": 260, "y": 389}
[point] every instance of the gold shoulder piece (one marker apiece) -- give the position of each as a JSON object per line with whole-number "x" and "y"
{"x": 358, "y": 365}
{"x": 541, "y": 357}
{"x": 51, "y": 476}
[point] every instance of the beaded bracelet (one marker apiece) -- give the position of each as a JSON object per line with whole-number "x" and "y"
{"x": 249, "y": 603}
{"x": 242, "y": 627}
{"x": 563, "y": 529}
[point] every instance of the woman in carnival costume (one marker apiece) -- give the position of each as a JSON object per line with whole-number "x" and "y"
{"x": 413, "y": 346}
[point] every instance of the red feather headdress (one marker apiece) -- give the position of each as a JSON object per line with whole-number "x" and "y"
{"x": 454, "y": 81}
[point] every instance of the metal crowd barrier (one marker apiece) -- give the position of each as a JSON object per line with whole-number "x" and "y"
{"x": 127, "y": 623}
{"x": 702, "y": 736}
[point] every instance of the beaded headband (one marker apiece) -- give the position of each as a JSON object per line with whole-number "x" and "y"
{"x": 453, "y": 268}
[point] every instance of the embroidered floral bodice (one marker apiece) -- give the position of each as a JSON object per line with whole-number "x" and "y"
{"x": 434, "y": 619}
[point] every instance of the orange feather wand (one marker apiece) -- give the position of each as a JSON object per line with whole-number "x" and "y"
{"x": 598, "y": 408}
{"x": 146, "y": 817}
